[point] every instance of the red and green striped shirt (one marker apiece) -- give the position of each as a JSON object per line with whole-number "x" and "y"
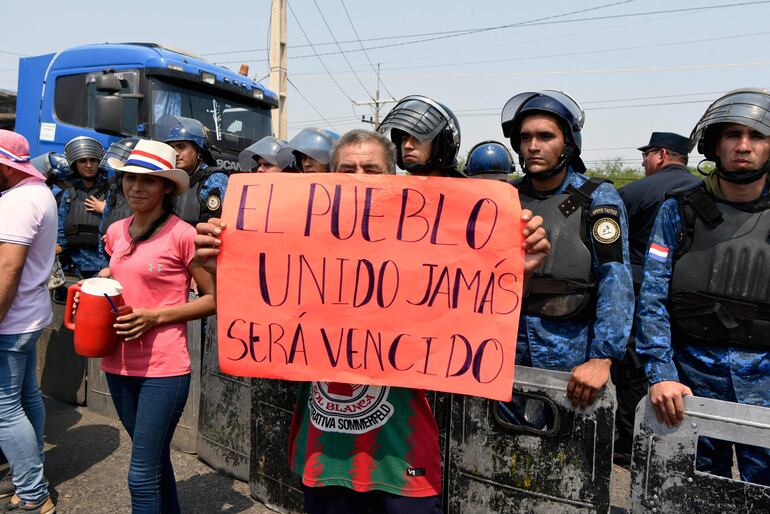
{"x": 365, "y": 438}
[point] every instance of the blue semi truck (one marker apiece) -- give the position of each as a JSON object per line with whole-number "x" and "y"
{"x": 109, "y": 91}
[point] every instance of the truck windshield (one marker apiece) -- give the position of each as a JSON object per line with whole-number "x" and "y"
{"x": 233, "y": 125}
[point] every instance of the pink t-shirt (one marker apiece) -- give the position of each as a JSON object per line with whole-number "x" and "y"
{"x": 28, "y": 217}
{"x": 153, "y": 277}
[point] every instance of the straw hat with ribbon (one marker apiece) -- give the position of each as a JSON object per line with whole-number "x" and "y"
{"x": 153, "y": 158}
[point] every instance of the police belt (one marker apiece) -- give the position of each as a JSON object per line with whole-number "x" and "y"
{"x": 556, "y": 286}
{"x": 717, "y": 320}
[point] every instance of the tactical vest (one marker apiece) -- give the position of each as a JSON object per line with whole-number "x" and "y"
{"x": 720, "y": 287}
{"x": 119, "y": 208}
{"x": 81, "y": 227}
{"x": 564, "y": 287}
{"x": 189, "y": 207}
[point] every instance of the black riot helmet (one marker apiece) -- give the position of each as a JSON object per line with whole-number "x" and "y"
{"x": 749, "y": 107}
{"x": 563, "y": 107}
{"x": 426, "y": 120}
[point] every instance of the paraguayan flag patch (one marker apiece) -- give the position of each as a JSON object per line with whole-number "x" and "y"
{"x": 657, "y": 252}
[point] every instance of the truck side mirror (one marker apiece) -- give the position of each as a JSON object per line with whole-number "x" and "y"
{"x": 107, "y": 83}
{"x": 108, "y": 114}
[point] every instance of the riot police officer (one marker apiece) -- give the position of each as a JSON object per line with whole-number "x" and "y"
{"x": 55, "y": 169}
{"x": 309, "y": 150}
{"x": 262, "y": 156}
{"x": 703, "y": 322}
{"x": 80, "y": 208}
{"x": 577, "y": 310}
{"x": 115, "y": 204}
{"x": 426, "y": 134}
{"x": 664, "y": 159}
{"x": 491, "y": 160}
{"x": 208, "y": 184}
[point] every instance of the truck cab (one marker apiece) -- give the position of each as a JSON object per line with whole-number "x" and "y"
{"x": 109, "y": 91}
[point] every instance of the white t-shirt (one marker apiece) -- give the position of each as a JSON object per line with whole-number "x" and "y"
{"x": 28, "y": 217}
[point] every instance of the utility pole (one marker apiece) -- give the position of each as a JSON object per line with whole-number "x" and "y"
{"x": 376, "y": 103}
{"x": 278, "y": 64}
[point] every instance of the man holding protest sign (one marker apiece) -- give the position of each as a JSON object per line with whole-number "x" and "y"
{"x": 358, "y": 446}
{"x": 578, "y": 308}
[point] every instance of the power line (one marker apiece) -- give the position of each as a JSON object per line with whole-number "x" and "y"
{"x": 478, "y": 75}
{"x": 318, "y": 56}
{"x": 358, "y": 38}
{"x": 344, "y": 56}
{"x": 311, "y": 122}
{"x": 310, "y": 103}
{"x": 533, "y": 23}
{"x": 562, "y": 54}
{"x": 633, "y": 99}
{"x": 517, "y": 45}
{"x": 586, "y": 52}
{"x": 495, "y": 111}
{"x": 410, "y": 36}
{"x": 608, "y": 107}
{"x": 455, "y": 33}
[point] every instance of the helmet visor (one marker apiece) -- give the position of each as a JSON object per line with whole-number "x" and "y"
{"x": 83, "y": 147}
{"x": 314, "y": 143}
{"x": 744, "y": 107}
{"x": 514, "y": 105}
{"x": 419, "y": 116}
{"x": 174, "y": 128}
{"x": 267, "y": 148}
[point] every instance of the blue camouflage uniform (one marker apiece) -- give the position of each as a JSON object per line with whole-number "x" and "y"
{"x": 216, "y": 182}
{"x": 203, "y": 200}
{"x": 563, "y": 344}
{"x": 726, "y": 372}
{"x": 83, "y": 261}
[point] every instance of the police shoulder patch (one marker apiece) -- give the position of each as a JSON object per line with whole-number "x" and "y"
{"x": 606, "y": 230}
{"x": 213, "y": 203}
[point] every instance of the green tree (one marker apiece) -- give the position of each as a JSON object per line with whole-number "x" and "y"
{"x": 615, "y": 170}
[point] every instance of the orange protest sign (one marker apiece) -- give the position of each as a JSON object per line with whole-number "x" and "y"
{"x": 362, "y": 279}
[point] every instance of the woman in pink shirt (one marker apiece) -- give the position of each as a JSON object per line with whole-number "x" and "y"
{"x": 152, "y": 256}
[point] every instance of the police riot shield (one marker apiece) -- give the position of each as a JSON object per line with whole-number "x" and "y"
{"x": 534, "y": 454}
{"x": 224, "y": 426}
{"x": 99, "y": 399}
{"x": 663, "y": 474}
{"x": 270, "y": 479}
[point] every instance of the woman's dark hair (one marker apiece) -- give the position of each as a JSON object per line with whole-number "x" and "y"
{"x": 168, "y": 209}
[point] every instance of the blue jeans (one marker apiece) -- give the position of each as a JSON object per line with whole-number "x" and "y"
{"x": 22, "y": 415}
{"x": 149, "y": 409}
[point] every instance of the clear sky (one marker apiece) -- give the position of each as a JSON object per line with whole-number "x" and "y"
{"x": 632, "y": 72}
